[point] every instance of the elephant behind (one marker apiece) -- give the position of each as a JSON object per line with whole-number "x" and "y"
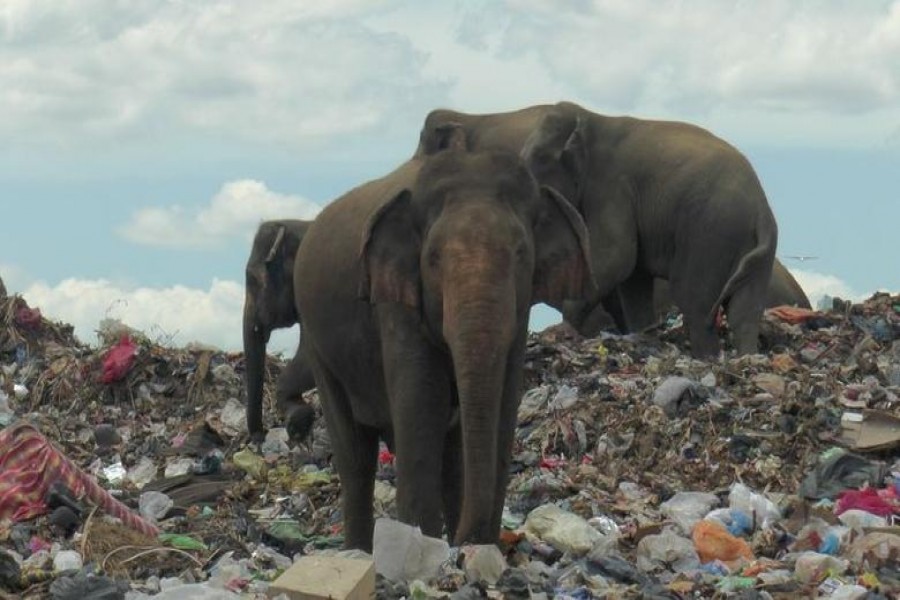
{"x": 269, "y": 305}
{"x": 415, "y": 298}
{"x": 660, "y": 199}
{"x": 783, "y": 290}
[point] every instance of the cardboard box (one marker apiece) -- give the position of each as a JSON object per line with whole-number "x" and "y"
{"x": 327, "y": 577}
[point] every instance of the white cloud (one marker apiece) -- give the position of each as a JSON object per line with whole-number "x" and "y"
{"x": 286, "y": 71}
{"x": 307, "y": 73}
{"x": 776, "y": 55}
{"x": 235, "y": 210}
{"x": 817, "y": 285}
{"x": 776, "y": 72}
{"x": 174, "y": 315}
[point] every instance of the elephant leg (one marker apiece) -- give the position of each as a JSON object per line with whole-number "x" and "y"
{"x": 614, "y": 256}
{"x": 702, "y": 333}
{"x": 355, "y": 456}
{"x": 615, "y": 311}
{"x": 636, "y": 296}
{"x": 696, "y": 283}
{"x": 452, "y": 475}
{"x": 588, "y": 321}
{"x": 744, "y": 310}
{"x": 417, "y": 378}
{"x": 296, "y": 379}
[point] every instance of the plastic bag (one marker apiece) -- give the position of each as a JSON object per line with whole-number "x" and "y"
{"x": 483, "y": 563}
{"x": 686, "y": 508}
{"x": 763, "y": 511}
{"x": 402, "y": 552}
{"x": 666, "y": 551}
{"x": 88, "y": 587}
{"x": 812, "y": 567}
{"x": 118, "y": 360}
{"x": 154, "y": 505}
{"x": 563, "y": 530}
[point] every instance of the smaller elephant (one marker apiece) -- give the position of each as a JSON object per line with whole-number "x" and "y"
{"x": 268, "y": 305}
{"x": 783, "y": 290}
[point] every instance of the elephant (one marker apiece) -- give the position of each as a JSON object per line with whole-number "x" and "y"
{"x": 415, "y": 291}
{"x": 268, "y": 305}
{"x": 661, "y": 199}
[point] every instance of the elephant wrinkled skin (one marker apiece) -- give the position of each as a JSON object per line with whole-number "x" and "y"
{"x": 415, "y": 299}
{"x": 660, "y": 199}
{"x": 268, "y": 305}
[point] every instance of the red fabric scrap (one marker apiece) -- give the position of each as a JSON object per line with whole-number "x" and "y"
{"x": 867, "y": 499}
{"x": 28, "y": 318}
{"x": 118, "y": 360}
{"x": 552, "y": 462}
{"x": 385, "y": 457}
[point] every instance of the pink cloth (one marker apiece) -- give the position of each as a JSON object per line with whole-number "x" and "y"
{"x": 30, "y": 464}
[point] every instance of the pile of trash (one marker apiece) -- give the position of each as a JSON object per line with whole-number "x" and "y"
{"x": 126, "y": 470}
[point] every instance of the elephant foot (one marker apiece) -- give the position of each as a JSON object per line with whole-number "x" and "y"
{"x": 300, "y": 419}
{"x": 258, "y": 437}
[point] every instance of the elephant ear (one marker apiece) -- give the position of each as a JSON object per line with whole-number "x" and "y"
{"x": 444, "y": 136}
{"x": 562, "y": 269}
{"x": 276, "y": 245}
{"x": 390, "y": 254}
{"x": 574, "y": 153}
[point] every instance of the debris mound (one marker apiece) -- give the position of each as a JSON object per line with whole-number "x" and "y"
{"x": 637, "y": 471}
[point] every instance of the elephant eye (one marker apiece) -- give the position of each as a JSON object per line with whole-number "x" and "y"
{"x": 521, "y": 252}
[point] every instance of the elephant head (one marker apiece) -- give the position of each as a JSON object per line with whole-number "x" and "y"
{"x": 470, "y": 247}
{"x": 556, "y": 151}
{"x": 268, "y": 303}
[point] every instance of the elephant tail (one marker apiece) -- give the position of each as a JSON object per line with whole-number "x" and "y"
{"x": 752, "y": 262}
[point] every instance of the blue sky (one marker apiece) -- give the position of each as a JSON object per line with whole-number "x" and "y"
{"x": 144, "y": 141}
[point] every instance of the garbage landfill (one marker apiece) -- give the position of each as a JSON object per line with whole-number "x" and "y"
{"x": 637, "y": 471}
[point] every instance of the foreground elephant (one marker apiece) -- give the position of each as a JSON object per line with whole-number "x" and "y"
{"x": 660, "y": 199}
{"x": 268, "y": 305}
{"x": 415, "y": 296}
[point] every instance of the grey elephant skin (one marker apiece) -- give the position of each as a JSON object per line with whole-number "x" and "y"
{"x": 415, "y": 296}
{"x": 660, "y": 199}
{"x": 268, "y": 305}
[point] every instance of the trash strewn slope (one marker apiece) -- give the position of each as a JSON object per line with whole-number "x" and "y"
{"x": 638, "y": 472}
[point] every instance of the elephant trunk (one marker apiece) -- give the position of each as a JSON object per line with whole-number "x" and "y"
{"x": 479, "y": 325}
{"x": 255, "y": 338}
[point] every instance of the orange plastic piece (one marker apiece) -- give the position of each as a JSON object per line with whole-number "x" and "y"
{"x": 713, "y": 542}
{"x": 792, "y": 314}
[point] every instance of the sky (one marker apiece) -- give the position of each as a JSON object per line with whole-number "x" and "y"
{"x": 144, "y": 141}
